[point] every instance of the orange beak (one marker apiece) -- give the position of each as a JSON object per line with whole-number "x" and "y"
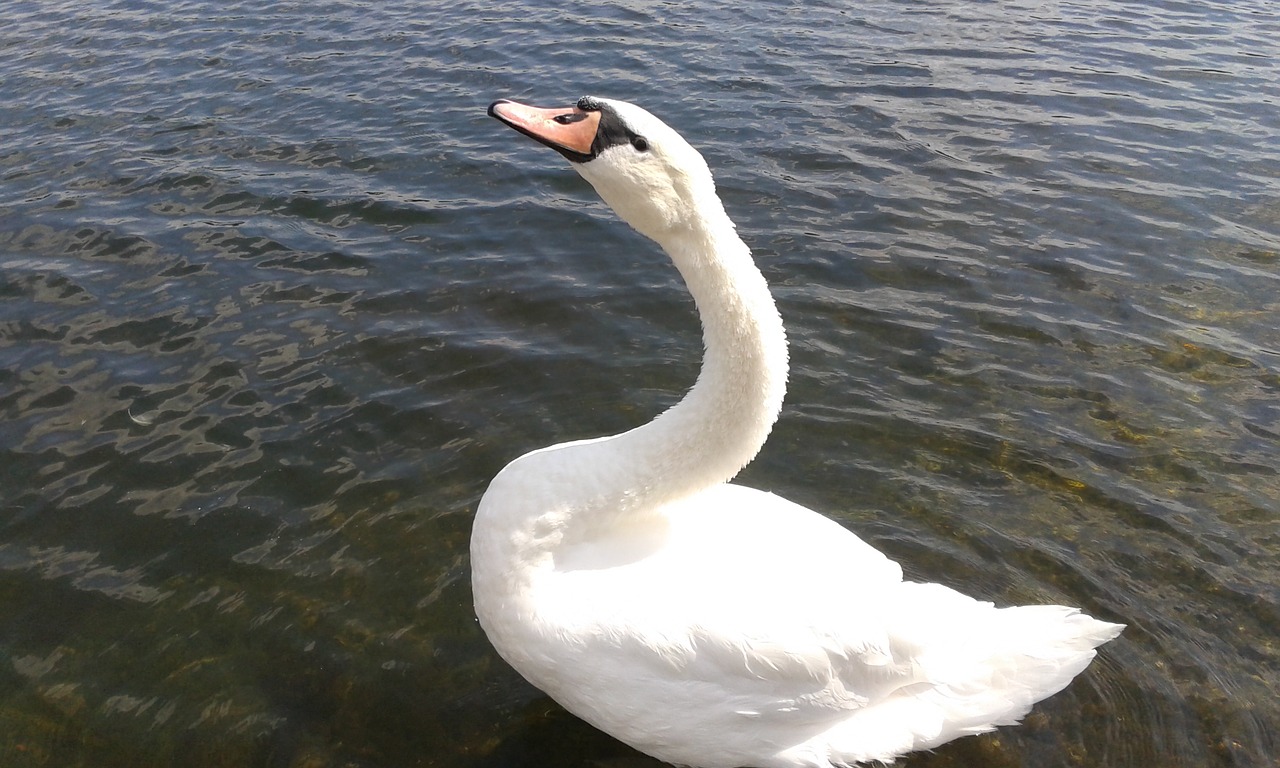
{"x": 568, "y": 130}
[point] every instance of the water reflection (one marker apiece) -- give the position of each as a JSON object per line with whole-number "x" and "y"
{"x": 276, "y": 301}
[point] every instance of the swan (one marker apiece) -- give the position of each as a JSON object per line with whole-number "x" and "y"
{"x": 705, "y": 623}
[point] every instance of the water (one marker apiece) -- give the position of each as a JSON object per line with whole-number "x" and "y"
{"x": 277, "y": 299}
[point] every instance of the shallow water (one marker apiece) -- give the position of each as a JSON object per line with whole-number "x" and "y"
{"x": 277, "y": 299}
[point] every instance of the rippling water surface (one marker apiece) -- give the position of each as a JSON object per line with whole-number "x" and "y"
{"x": 277, "y": 300}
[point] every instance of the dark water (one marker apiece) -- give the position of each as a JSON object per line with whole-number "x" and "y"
{"x": 277, "y": 299}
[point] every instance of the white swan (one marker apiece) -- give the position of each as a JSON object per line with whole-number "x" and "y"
{"x": 709, "y": 624}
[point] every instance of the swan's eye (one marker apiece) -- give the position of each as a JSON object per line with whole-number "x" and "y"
{"x": 640, "y": 143}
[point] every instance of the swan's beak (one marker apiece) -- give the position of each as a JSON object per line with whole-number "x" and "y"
{"x": 568, "y": 130}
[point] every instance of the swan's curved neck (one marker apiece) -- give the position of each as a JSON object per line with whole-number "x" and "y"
{"x": 723, "y": 421}
{"x": 571, "y": 491}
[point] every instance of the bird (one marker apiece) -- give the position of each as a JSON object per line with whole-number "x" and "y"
{"x": 703, "y": 622}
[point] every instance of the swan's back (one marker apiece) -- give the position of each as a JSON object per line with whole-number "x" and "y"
{"x": 738, "y": 628}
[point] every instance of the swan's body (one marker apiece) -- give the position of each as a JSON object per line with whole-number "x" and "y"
{"x": 706, "y": 623}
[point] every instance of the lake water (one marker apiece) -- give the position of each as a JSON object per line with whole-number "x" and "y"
{"x": 277, "y": 299}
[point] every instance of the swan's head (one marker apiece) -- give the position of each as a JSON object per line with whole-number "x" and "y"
{"x": 642, "y": 168}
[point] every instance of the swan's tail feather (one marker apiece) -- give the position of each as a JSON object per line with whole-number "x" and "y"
{"x": 982, "y": 673}
{"x": 1030, "y": 653}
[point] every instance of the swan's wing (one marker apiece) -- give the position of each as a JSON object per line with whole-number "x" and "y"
{"x": 777, "y": 630}
{"x": 750, "y": 593}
